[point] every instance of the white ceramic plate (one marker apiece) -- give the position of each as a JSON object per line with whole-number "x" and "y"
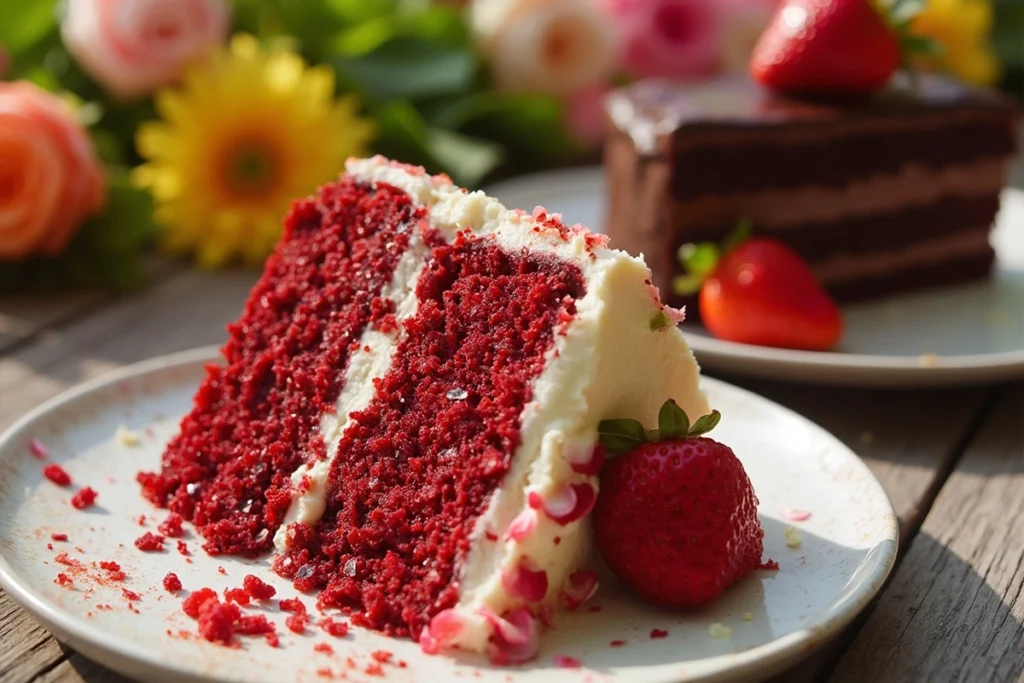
{"x": 848, "y": 547}
{"x": 953, "y": 335}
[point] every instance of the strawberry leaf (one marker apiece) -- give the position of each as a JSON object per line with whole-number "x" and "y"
{"x": 686, "y": 285}
{"x": 672, "y": 422}
{"x": 740, "y": 233}
{"x": 619, "y": 436}
{"x": 660, "y": 321}
{"x": 699, "y": 259}
{"x": 705, "y": 423}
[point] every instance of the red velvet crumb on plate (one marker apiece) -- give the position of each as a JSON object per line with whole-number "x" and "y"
{"x": 236, "y": 595}
{"x": 171, "y": 527}
{"x": 338, "y": 629}
{"x": 57, "y": 475}
{"x": 84, "y": 498}
{"x": 196, "y": 599}
{"x": 172, "y": 584}
{"x": 256, "y": 588}
{"x": 150, "y": 542}
{"x": 58, "y": 537}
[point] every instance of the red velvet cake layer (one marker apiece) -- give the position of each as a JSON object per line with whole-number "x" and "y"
{"x": 421, "y": 462}
{"x": 256, "y": 418}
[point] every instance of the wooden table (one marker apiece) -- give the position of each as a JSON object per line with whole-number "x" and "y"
{"x": 952, "y": 461}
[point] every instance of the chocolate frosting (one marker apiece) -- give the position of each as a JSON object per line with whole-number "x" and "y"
{"x": 651, "y": 110}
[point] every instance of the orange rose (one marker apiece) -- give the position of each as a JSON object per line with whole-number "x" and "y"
{"x": 50, "y": 177}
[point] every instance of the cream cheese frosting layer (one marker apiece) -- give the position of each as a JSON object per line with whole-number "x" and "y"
{"x": 913, "y": 185}
{"x": 607, "y": 362}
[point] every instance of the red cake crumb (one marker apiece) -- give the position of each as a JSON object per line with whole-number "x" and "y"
{"x": 222, "y": 571}
{"x": 256, "y": 588}
{"x": 150, "y": 542}
{"x": 374, "y": 669}
{"x": 557, "y": 540}
{"x": 216, "y": 621}
{"x": 253, "y": 625}
{"x": 64, "y": 580}
{"x": 57, "y": 475}
{"x": 38, "y": 449}
{"x": 171, "y": 527}
{"x": 292, "y": 605}
{"x": 58, "y": 537}
{"x": 617, "y": 643}
{"x": 113, "y": 569}
{"x": 338, "y": 629}
{"x": 183, "y": 548}
{"x": 141, "y": 520}
{"x": 382, "y": 656}
{"x": 770, "y": 565}
{"x": 172, "y": 584}
{"x": 64, "y": 558}
{"x": 237, "y": 596}
{"x": 273, "y": 640}
{"x": 195, "y": 600}
{"x": 324, "y": 647}
{"x": 49, "y": 546}
{"x": 84, "y": 498}
{"x": 659, "y": 633}
{"x": 566, "y": 662}
{"x": 490, "y": 536}
{"x": 131, "y": 596}
{"x": 324, "y": 672}
{"x": 296, "y": 623}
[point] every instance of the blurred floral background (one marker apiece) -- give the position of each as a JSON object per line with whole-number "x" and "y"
{"x": 189, "y": 126}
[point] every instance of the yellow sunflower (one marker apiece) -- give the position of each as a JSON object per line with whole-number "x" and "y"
{"x": 248, "y": 132}
{"x": 962, "y": 28}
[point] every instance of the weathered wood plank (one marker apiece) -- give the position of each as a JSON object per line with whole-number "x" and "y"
{"x": 955, "y": 609}
{"x": 26, "y": 648}
{"x": 908, "y": 438}
{"x": 22, "y": 317}
{"x": 79, "y": 669}
{"x": 187, "y": 310}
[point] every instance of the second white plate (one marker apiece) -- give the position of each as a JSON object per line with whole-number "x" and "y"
{"x": 953, "y": 335}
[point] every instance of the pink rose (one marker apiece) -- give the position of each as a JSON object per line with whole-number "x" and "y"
{"x": 668, "y": 38}
{"x": 50, "y": 177}
{"x": 132, "y": 47}
{"x": 584, "y": 114}
{"x": 557, "y": 47}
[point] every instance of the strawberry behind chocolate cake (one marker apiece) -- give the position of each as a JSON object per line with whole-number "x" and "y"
{"x": 408, "y": 411}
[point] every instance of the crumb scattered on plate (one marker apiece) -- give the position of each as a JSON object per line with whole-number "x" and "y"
{"x": 796, "y": 514}
{"x": 127, "y": 437}
{"x": 748, "y": 616}
{"x": 719, "y": 630}
{"x": 793, "y": 539}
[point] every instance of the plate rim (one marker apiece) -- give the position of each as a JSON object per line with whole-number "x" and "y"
{"x": 765, "y": 659}
{"x": 846, "y": 369}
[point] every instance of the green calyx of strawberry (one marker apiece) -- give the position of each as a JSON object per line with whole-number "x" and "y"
{"x": 699, "y": 260}
{"x": 621, "y": 436}
{"x": 898, "y": 16}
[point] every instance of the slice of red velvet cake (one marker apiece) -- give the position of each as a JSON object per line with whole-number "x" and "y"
{"x": 409, "y": 406}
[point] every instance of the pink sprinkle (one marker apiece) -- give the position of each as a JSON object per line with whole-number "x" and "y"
{"x": 796, "y": 515}
{"x": 38, "y": 449}
{"x": 617, "y": 643}
{"x": 659, "y": 633}
{"x": 566, "y": 662}
{"x": 522, "y": 526}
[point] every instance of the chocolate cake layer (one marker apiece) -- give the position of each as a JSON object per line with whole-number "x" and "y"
{"x": 865, "y": 234}
{"x": 778, "y": 164}
{"x": 879, "y": 191}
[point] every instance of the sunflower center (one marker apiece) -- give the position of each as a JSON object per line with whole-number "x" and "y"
{"x": 250, "y": 168}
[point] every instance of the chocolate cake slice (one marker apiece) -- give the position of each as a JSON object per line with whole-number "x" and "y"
{"x": 892, "y": 193}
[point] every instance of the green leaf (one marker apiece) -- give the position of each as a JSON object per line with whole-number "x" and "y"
{"x": 26, "y": 22}
{"x": 740, "y": 233}
{"x": 672, "y": 421}
{"x": 705, "y": 423}
{"x": 687, "y": 285}
{"x": 921, "y": 46}
{"x": 410, "y": 68}
{"x": 699, "y": 259}
{"x": 467, "y": 160}
{"x": 620, "y": 436}
{"x": 660, "y": 321}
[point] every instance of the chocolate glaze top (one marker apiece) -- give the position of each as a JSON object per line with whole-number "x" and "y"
{"x": 652, "y": 109}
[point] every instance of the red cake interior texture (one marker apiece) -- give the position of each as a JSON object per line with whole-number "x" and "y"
{"x": 419, "y": 466}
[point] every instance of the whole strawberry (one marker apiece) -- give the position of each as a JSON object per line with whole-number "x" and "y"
{"x": 676, "y": 519}
{"x": 833, "y": 47}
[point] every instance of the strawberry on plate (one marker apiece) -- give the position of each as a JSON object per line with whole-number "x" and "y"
{"x": 759, "y": 291}
{"x": 836, "y": 47}
{"x": 676, "y": 519}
